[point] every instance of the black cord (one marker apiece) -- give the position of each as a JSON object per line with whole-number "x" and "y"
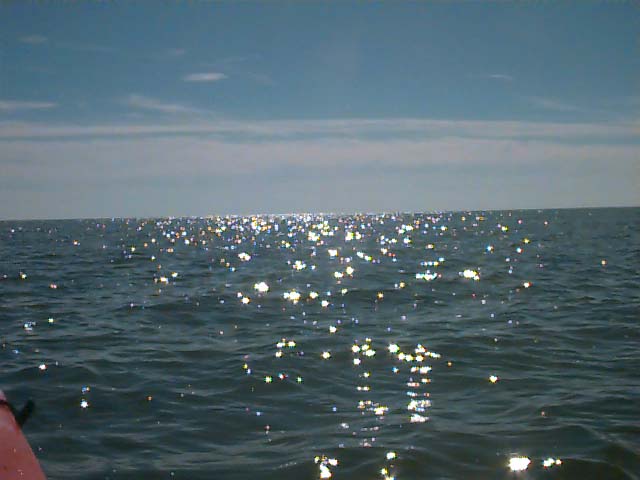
{"x": 22, "y": 415}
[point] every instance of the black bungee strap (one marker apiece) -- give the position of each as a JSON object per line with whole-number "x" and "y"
{"x": 23, "y": 414}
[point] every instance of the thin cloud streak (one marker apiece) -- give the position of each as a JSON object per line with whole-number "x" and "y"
{"x": 85, "y": 47}
{"x": 499, "y": 76}
{"x": 17, "y": 105}
{"x": 326, "y": 128}
{"x": 204, "y": 77}
{"x": 136, "y": 160}
{"x": 455, "y": 171}
{"x": 147, "y": 103}
{"x": 76, "y": 46}
{"x": 553, "y": 104}
{"x": 503, "y": 77}
{"x": 175, "y": 52}
{"x": 34, "y": 39}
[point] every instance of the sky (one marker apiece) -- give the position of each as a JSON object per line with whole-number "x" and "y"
{"x": 140, "y": 109}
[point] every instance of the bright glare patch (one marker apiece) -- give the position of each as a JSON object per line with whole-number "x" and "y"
{"x": 550, "y": 462}
{"x": 324, "y": 463}
{"x": 299, "y": 265}
{"x": 380, "y": 410}
{"x": 292, "y": 296}
{"x": 261, "y": 287}
{"x": 325, "y": 472}
{"x": 518, "y": 464}
{"x": 326, "y": 355}
{"x": 468, "y": 273}
{"x": 416, "y": 418}
{"x": 428, "y": 276}
{"x": 493, "y": 379}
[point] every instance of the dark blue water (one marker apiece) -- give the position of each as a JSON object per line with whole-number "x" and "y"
{"x": 150, "y": 354}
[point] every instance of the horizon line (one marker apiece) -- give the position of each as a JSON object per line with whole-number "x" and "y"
{"x": 328, "y": 214}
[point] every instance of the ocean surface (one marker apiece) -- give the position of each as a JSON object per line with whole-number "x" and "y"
{"x": 459, "y": 345}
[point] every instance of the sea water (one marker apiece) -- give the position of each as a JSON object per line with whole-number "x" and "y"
{"x": 495, "y": 344}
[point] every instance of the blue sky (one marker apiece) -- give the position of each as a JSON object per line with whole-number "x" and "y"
{"x": 144, "y": 109}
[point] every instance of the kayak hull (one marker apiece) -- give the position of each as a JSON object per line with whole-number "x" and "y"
{"x": 17, "y": 460}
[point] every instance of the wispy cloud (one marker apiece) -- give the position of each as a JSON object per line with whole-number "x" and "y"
{"x": 84, "y": 47}
{"x": 502, "y": 77}
{"x": 175, "y": 52}
{"x": 634, "y": 100}
{"x": 554, "y": 104}
{"x": 499, "y": 76}
{"x": 232, "y": 60}
{"x": 204, "y": 77}
{"x": 75, "y": 46}
{"x": 34, "y": 39}
{"x": 262, "y": 79}
{"x": 152, "y": 104}
{"x": 450, "y": 164}
{"x": 17, "y": 105}
{"x": 121, "y": 159}
{"x": 354, "y": 128}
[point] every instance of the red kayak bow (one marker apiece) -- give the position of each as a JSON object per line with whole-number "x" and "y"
{"x": 17, "y": 460}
